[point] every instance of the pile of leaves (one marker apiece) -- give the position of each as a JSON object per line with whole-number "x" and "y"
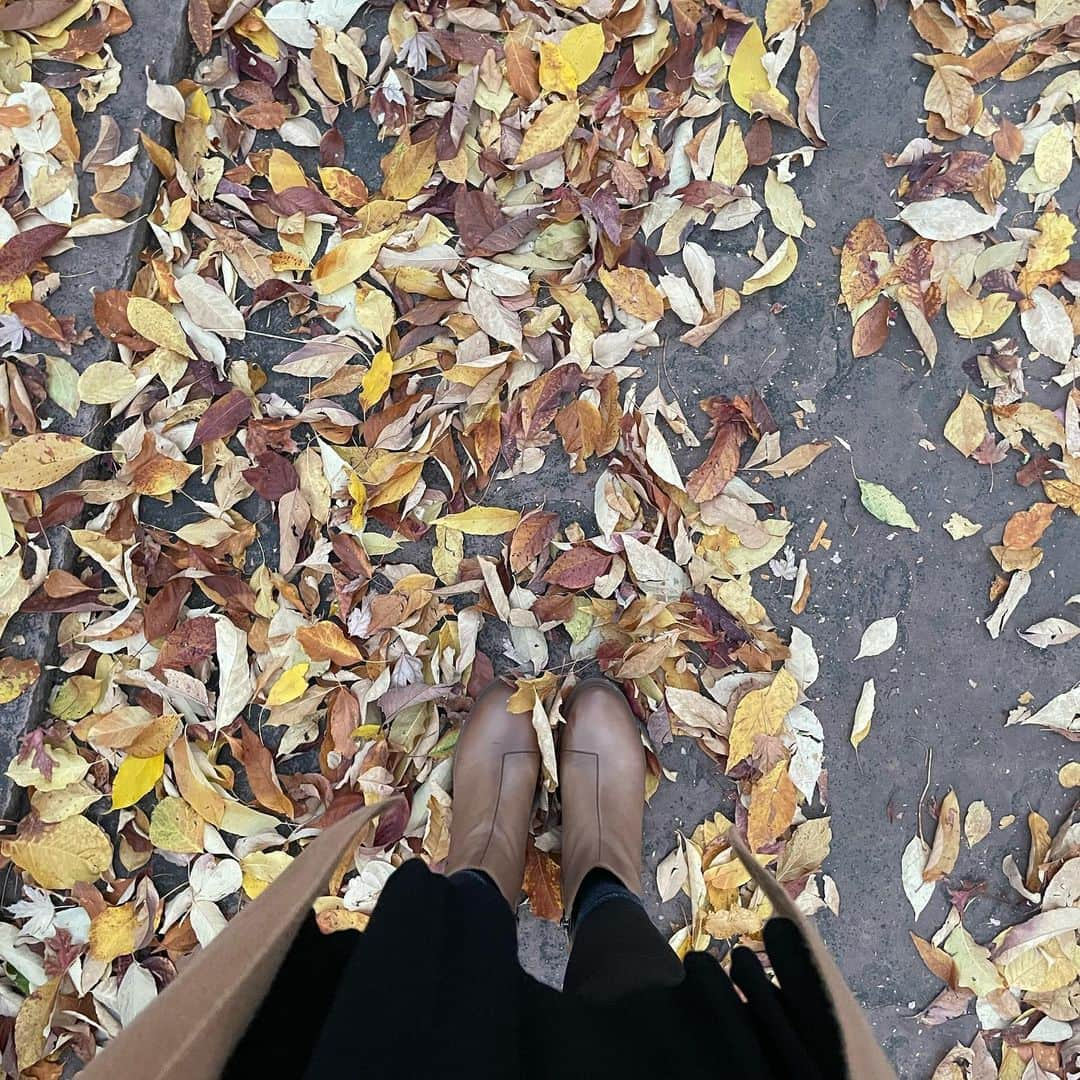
{"x": 307, "y": 640}
{"x": 972, "y": 267}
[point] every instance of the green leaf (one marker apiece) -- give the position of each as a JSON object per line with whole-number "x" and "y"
{"x": 885, "y": 506}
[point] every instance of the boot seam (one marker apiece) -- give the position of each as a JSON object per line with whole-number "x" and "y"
{"x": 498, "y": 800}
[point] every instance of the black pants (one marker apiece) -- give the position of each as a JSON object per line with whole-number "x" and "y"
{"x": 616, "y": 950}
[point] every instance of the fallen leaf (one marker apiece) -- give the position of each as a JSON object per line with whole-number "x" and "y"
{"x": 483, "y": 521}
{"x": 543, "y": 884}
{"x": 60, "y": 855}
{"x": 760, "y": 712}
{"x": 885, "y": 506}
{"x": 878, "y": 637}
{"x": 135, "y": 778}
{"x": 40, "y": 460}
{"x": 946, "y": 846}
{"x": 977, "y": 822}
{"x": 960, "y": 527}
{"x": 864, "y": 713}
{"x": 966, "y": 426}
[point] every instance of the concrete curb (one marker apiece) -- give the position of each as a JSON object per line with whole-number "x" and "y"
{"x": 158, "y": 40}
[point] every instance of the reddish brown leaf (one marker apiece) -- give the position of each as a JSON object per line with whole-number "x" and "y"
{"x": 272, "y": 475}
{"x": 200, "y": 25}
{"x": 531, "y": 537}
{"x": 578, "y": 568}
{"x": 543, "y": 884}
{"x": 712, "y": 475}
{"x": 25, "y": 249}
{"x": 110, "y": 314}
{"x": 27, "y": 14}
{"x": 258, "y": 763}
{"x": 872, "y": 330}
{"x": 222, "y": 418}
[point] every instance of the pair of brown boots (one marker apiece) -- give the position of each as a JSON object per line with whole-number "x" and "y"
{"x": 601, "y": 783}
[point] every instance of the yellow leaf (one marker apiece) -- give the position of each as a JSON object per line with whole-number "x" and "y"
{"x": 260, "y": 868}
{"x": 761, "y": 712}
{"x": 781, "y": 15}
{"x": 408, "y": 167}
{"x": 351, "y": 259}
{"x": 53, "y": 806}
{"x": 549, "y": 131}
{"x": 996, "y": 308}
{"x": 135, "y": 777}
{"x": 772, "y": 806}
{"x": 747, "y": 75}
{"x": 565, "y": 66}
{"x": 130, "y": 728}
{"x": 1054, "y": 155}
{"x": 252, "y": 27}
{"x": 112, "y": 933}
{"x": 158, "y": 325}
{"x": 161, "y": 476}
{"x": 358, "y": 492}
{"x": 15, "y": 292}
{"x": 864, "y": 713}
{"x": 285, "y": 172}
{"x": 583, "y": 48}
{"x": 964, "y": 311}
{"x": 32, "y": 1025}
{"x": 731, "y": 159}
{"x": 174, "y": 826}
{"x": 290, "y": 686}
{"x": 61, "y": 855}
{"x": 366, "y": 731}
{"x": 68, "y": 767}
{"x": 556, "y": 74}
{"x": 784, "y": 205}
{"x": 1049, "y": 251}
{"x": 376, "y": 379}
{"x": 966, "y": 427}
{"x": 375, "y": 312}
{"x": 483, "y": 520}
{"x": 195, "y": 788}
{"x": 39, "y": 460}
{"x": 779, "y": 267}
{"x": 631, "y": 290}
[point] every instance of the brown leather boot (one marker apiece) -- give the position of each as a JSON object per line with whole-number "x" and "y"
{"x": 602, "y": 783}
{"x": 496, "y": 767}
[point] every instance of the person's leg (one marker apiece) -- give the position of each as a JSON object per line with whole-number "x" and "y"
{"x": 615, "y": 947}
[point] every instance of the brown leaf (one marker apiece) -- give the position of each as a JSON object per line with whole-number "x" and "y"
{"x": 1025, "y": 527}
{"x": 1008, "y": 141}
{"x": 264, "y": 115}
{"x": 872, "y": 330}
{"x": 946, "y": 846}
{"x": 200, "y": 25}
{"x": 19, "y": 255}
{"x": 543, "y": 884}
{"x": 533, "y": 534}
{"x": 578, "y": 568}
{"x": 729, "y": 430}
{"x": 859, "y": 278}
{"x": 28, "y": 14}
{"x": 808, "y": 89}
{"x": 258, "y": 764}
{"x": 222, "y": 419}
{"x": 327, "y": 641}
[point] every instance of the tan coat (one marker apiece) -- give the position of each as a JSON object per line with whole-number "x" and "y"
{"x": 190, "y": 1030}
